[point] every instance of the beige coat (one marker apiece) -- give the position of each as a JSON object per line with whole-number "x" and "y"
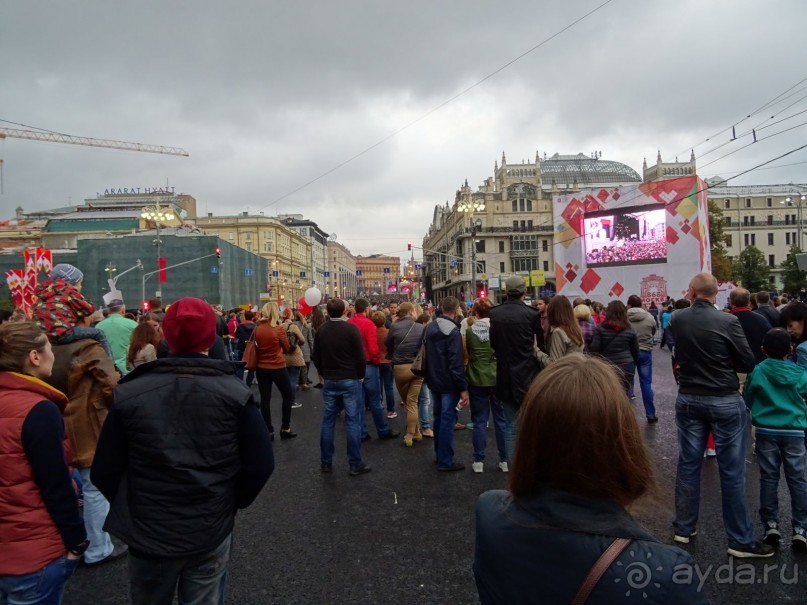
{"x": 295, "y": 359}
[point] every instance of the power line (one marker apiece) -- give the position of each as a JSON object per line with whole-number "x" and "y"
{"x": 438, "y": 107}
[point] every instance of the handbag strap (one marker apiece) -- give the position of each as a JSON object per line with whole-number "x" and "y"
{"x": 595, "y": 573}
{"x": 407, "y": 332}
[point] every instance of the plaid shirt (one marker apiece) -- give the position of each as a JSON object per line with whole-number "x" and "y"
{"x": 59, "y": 306}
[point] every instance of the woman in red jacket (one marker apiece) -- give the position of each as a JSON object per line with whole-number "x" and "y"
{"x": 43, "y": 534}
{"x": 273, "y": 344}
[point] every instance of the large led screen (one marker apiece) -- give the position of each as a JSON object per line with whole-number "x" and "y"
{"x": 627, "y": 236}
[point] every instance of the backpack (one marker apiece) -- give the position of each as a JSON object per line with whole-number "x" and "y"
{"x": 292, "y": 341}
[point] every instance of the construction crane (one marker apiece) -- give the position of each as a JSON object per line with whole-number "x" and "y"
{"x": 55, "y": 137}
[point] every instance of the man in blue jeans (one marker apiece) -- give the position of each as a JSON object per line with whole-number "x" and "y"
{"x": 644, "y": 324}
{"x": 371, "y": 386}
{"x": 339, "y": 358}
{"x": 711, "y": 348}
{"x": 445, "y": 375}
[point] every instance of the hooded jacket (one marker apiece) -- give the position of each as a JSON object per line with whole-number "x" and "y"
{"x": 481, "y": 358}
{"x": 59, "y": 305}
{"x": 445, "y": 372}
{"x": 775, "y": 392}
{"x": 644, "y": 325}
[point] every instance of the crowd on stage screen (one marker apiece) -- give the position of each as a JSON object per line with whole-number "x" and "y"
{"x": 87, "y": 395}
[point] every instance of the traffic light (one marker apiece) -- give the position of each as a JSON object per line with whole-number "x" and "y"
{"x": 482, "y": 293}
{"x": 218, "y": 253}
{"x": 409, "y": 245}
{"x": 146, "y": 307}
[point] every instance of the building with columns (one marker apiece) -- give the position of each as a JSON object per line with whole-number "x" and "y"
{"x": 377, "y": 274}
{"x": 340, "y": 279}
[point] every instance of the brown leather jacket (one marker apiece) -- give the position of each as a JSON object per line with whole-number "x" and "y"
{"x": 86, "y": 374}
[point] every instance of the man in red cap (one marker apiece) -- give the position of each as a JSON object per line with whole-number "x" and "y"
{"x": 184, "y": 446}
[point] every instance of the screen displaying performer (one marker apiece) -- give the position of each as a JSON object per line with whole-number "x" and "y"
{"x": 627, "y": 236}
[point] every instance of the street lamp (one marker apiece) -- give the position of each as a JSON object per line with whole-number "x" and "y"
{"x": 471, "y": 205}
{"x": 157, "y": 215}
{"x": 789, "y": 201}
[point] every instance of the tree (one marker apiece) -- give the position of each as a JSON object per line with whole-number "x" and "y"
{"x": 751, "y": 269}
{"x": 721, "y": 262}
{"x": 793, "y": 279}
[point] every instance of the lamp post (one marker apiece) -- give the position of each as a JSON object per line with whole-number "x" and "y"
{"x": 789, "y": 201}
{"x": 471, "y": 205}
{"x": 157, "y": 215}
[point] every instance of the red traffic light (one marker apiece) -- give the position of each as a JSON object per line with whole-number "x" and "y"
{"x": 409, "y": 245}
{"x": 218, "y": 252}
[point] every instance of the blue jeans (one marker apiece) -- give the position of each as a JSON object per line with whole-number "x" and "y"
{"x": 96, "y": 508}
{"x": 239, "y": 356}
{"x": 645, "y": 370}
{"x": 385, "y": 373}
{"x": 445, "y": 417}
{"x": 371, "y": 388}
{"x": 483, "y": 402}
{"x": 510, "y": 411}
{"x": 294, "y": 377}
{"x": 773, "y": 452}
{"x": 726, "y": 417}
{"x": 338, "y": 394}
{"x": 198, "y": 579}
{"x": 424, "y": 401}
{"x": 42, "y": 587}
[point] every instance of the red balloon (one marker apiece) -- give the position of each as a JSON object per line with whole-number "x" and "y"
{"x": 303, "y": 307}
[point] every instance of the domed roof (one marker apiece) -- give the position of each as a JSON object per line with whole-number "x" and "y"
{"x": 585, "y": 170}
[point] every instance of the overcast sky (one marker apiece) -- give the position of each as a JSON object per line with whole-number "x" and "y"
{"x": 269, "y": 96}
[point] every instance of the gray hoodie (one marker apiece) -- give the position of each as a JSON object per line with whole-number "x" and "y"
{"x": 644, "y": 325}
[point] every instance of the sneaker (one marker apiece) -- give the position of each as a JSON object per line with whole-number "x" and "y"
{"x": 359, "y": 469}
{"x": 318, "y": 386}
{"x": 503, "y": 467}
{"x": 326, "y": 468}
{"x": 296, "y": 405}
{"x": 118, "y": 550}
{"x": 366, "y": 438}
{"x": 799, "y": 540}
{"x": 682, "y": 539}
{"x": 755, "y": 550}
{"x": 772, "y": 535}
{"x": 454, "y": 466}
{"x": 390, "y": 434}
{"x": 478, "y": 467}
{"x": 392, "y": 414}
{"x": 652, "y": 419}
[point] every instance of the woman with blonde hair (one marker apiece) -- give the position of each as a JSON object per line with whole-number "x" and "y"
{"x": 582, "y": 313}
{"x": 403, "y": 342}
{"x": 294, "y": 357}
{"x": 272, "y": 344}
{"x": 580, "y": 462}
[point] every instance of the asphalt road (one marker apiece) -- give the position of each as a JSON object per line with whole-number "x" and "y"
{"x": 404, "y": 533}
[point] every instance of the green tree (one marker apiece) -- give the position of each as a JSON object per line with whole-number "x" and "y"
{"x": 751, "y": 269}
{"x": 793, "y": 279}
{"x": 5, "y": 303}
{"x": 721, "y": 262}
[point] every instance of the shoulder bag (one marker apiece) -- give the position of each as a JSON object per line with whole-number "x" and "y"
{"x": 419, "y": 364}
{"x": 601, "y": 565}
{"x": 250, "y": 356}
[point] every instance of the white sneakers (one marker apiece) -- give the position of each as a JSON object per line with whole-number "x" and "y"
{"x": 477, "y": 466}
{"x": 503, "y": 467}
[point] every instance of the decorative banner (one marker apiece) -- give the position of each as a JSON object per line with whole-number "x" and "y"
{"x": 647, "y": 239}
{"x": 44, "y": 260}
{"x": 163, "y": 263}
{"x": 15, "y": 280}
{"x": 29, "y": 291}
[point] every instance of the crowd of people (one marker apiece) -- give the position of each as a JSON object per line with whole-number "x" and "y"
{"x": 628, "y": 251}
{"x": 149, "y": 422}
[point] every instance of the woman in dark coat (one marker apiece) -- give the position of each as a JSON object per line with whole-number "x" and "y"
{"x": 615, "y": 341}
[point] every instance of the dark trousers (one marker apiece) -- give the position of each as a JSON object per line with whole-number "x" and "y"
{"x": 280, "y": 377}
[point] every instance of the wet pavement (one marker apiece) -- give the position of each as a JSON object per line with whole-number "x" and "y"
{"x": 404, "y": 533}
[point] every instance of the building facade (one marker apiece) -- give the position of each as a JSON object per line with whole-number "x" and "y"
{"x": 340, "y": 279}
{"x": 377, "y": 275}
{"x": 287, "y": 252}
{"x": 319, "y": 245}
{"x": 509, "y": 223}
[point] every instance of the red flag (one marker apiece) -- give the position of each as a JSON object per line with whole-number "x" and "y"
{"x": 15, "y": 280}
{"x": 44, "y": 260}
{"x": 163, "y": 264}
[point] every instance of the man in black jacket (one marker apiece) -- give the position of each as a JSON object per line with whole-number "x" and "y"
{"x": 183, "y": 448}
{"x": 339, "y": 358}
{"x": 711, "y": 348}
{"x": 515, "y": 330}
{"x": 754, "y": 325}
{"x": 765, "y": 309}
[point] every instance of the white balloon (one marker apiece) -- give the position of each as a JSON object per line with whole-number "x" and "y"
{"x": 313, "y": 297}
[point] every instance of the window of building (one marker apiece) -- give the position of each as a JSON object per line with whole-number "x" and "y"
{"x": 771, "y": 279}
{"x": 727, "y": 204}
{"x": 501, "y": 267}
{"x": 515, "y": 225}
{"x": 267, "y": 247}
{"x": 770, "y": 202}
{"x": 529, "y": 225}
{"x": 787, "y": 238}
{"x": 753, "y": 239}
{"x": 544, "y": 245}
{"x": 745, "y": 220}
{"x": 515, "y": 205}
{"x": 727, "y": 221}
{"x": 770, "y": 219}
{"x": 232, "y": 236}
{"x": 787, "y": 219}
{"x": 480, "y": 245}
{"x": 521, "y": 206}
{"x": 753, "y": 220}
{"x": 523, "y": 225}
{"x": 267, "y": 235}
{"x": 746, "y": 239}
{"x": 529, "y": 205}
{"x": 770, "y": 239}
{"x": 546, "y": 265}
{"x": 771, "y": 260}
{"x": 501, "y": 246}
{"x": 524, "y": 242}
{"x": 748, "y": 202}
{"x": 729, "y": 240}
{"x": 792, "y": 219}
{"x": 525, "y": 264}
{"x": 248, "y": 236}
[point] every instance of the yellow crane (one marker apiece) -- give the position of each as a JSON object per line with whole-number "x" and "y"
{"x": 55, "y": 137}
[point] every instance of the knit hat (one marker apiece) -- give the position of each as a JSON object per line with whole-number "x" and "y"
{"x": 189, "y": 326}
{"x": 777, "y": 343}
{"x": 515, "y": 285}
{"x": 69, "y": 273}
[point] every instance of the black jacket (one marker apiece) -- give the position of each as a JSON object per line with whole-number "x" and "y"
{"x": 755, "y": 326}
{"x": 617, "y": 347}
{"x": 514, "y": 330}
{"x": 710, "y": 348}
{"x": 339, "y": 351}
{"x": 769, "y": 313}
{"x": 183, "y": 447}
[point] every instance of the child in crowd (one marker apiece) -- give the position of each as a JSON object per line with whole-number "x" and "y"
{"x": 775, "y": 393}
{"x": 60, "y": 307}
